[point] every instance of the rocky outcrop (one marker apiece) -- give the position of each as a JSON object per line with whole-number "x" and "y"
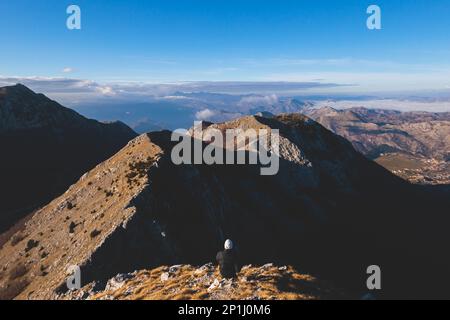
{"x": 186, "y": 282}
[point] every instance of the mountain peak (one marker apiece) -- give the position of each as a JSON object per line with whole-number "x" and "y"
{"x": 21, "y": 87}
{"x": 23, "y": 109}
{"x": 17, "y": 89}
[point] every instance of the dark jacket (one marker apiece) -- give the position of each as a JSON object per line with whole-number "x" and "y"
{"x": 228, "y": 263}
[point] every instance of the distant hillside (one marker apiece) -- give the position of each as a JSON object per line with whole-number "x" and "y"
{"x": 45, "y": 148}
{"x": 413, "y": 145}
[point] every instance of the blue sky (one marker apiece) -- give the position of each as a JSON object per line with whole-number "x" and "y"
{"x": 170, "y": 41}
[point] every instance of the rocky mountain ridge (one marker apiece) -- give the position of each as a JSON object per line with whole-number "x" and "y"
{"x": 137, "y": 211}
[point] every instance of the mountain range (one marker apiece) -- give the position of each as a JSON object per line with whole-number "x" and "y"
{"x": 118, "y": 204}
{"x": 329, "y": 210}
{"x": 414, "y": 145}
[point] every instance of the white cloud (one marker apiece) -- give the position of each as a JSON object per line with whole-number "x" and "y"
{"x": 67, "y": 70}
{"x": 267, "y": 100}
{"x": 205, "y": 114}
{"x": 369, "y": 81}
{"x": 67, "y": 86}
{"x": 106, "y": 90}
{"x": 175, "y": 97}
{"x": 240, "y": 97}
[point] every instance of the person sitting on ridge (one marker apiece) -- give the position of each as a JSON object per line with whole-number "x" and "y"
{"x": 228, "y": 262}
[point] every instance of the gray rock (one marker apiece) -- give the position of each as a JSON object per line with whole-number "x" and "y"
{"x": 118, "y": 281}
{"x": 207, "y": 267}
{"x": 165, "y": 276}
{"x": 214, "y": 285}
{"x": 175, "y": 268}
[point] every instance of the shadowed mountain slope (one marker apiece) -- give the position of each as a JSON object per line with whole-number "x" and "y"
{"x": 45, "y": 148}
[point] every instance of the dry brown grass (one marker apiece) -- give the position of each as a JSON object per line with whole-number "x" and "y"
{"x": 189, "y": 283}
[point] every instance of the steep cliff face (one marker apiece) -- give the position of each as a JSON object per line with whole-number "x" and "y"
{"x": 329, "y": 210}
{"x": 45, "y": 148}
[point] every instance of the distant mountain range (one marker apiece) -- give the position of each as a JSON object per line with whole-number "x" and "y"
{"x": 376, "y": 131}
{"x": 329, "y": 210}
{"x": 414, "y": 145}
{"x": 45, "y": 148}
{"x": 181, "y": 109}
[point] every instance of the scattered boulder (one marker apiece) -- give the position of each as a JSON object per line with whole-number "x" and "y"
{"x": 165, "y": 276}
{"x": 31, "y": 244}
{"x": 72, "y": 227}
{"x": 209, "y": 267}
{"x": 118, "y": 281}
{"x": 214, "y": 285}
{"x": 174, "y": 268}
{"x": 95, "y": 233}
